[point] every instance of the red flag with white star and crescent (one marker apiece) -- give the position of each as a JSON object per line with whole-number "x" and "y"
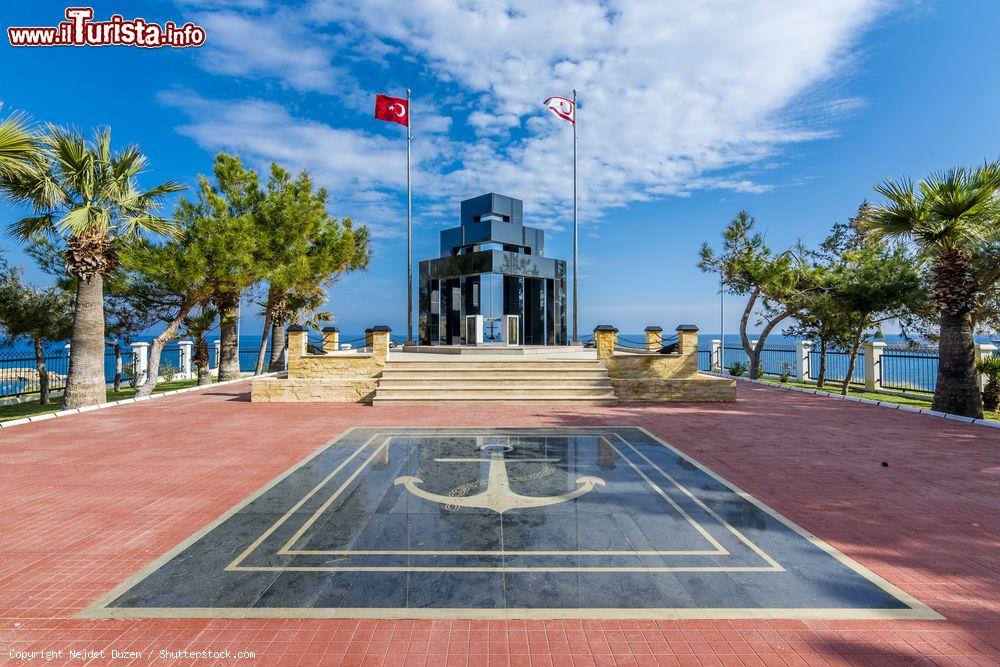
{"x": 392, "y": 109}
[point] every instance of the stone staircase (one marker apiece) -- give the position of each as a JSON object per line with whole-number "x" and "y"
{"x": 508, "y": 379}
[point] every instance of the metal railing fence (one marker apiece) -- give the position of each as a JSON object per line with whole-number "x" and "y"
{"x": 19, "y": 374}
{"x": 908, "y": 369}
{"x": 772, "y": 358}
{"x": 837, "y": 362}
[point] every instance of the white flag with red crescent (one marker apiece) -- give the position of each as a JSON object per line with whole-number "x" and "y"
{"x": 562, "y": 107}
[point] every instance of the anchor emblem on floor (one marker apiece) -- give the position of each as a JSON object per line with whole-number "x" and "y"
{"x": 498, "y": 495}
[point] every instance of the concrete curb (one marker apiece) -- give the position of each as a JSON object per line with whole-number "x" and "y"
{"x": 124, "y": 401}
{"x": 869, "y": 401}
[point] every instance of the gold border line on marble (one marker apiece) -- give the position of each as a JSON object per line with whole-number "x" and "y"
{"x": 774, "y": 565}
{"x": 771, "y": 567}
{"x": 918, "y": 610}
{"x": 329, "y": 501}
{"x": 718, "y": 551}
{"x": 100, "y": 604}
{"x": 267, "y": 533}
{"x": 509, "y": 614}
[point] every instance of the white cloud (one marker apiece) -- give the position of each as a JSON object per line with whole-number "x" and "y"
{"x": 668, "y": 90}
{"x": 674, "y": 95}
{"x": 360, "y": 170}
{"x": 275, "y": 45}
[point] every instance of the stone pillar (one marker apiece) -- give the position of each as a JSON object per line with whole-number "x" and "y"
{"x": 803, "y": 348}
{"x": 377, "y": 338}
{"x": 687, "y": 339}
{"x": 331, "y": 339}
{"x": 984, "y": 350}
{"x": 873, "y": 363}
{"x": 140, "y": 361}
{"x": 715, "y": 361}
{"x": 298, "y": 338}
{"x": 654, "y": 339}
{"x": 185, "y": 355}
{"x": 606, "y": 339}
{"x": 218, "y": 353}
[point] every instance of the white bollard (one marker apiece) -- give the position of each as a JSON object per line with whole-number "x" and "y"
{"x": 184, "y": 359}
{"x": 873, "y": 363}
{"x": 803, "y": 348}
{"x": 140, "y": 361}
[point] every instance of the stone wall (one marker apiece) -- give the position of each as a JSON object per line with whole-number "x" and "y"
{"x": 699, "y": 388}
{"x": 335, "y": 364}
{"x": 335, "y": 376}
{"x": 282, "y": 390}
{"x": 660, "y": 377}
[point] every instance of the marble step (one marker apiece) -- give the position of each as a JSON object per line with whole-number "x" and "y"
{"x": 494, "y": 366}
{"x": 494, "y": 392}
{"x": 553, "y": 379}
{"x": 451, "y": 397}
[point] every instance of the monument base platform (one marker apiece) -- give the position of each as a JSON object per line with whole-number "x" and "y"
{"x": 473, "y": 350}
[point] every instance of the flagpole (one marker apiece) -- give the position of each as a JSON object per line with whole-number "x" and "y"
{"x": 575, "y": 235}
{"x": 409, "y": 224}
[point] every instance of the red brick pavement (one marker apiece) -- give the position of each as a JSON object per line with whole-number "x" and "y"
{"x": 88, "y": 500}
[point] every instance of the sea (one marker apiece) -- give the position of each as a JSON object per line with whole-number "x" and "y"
{"x": 906, "y": 370}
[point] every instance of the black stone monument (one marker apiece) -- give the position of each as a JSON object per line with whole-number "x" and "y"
{"x": 492, "y": 266}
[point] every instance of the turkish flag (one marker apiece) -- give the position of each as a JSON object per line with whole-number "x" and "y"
{"x": 392, "y": 109}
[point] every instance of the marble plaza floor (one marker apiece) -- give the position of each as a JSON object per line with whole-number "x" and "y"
{"x": 766, "y": 531}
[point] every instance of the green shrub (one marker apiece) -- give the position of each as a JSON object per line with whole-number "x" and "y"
{"x": 786, "y": 372}
{"x": 168, "y": 371}
{"x": 990, "y": 367}
{"x": 133, "y": 374}
{"x": 736, "y": 369}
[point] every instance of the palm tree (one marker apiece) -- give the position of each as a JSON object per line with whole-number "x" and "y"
{"x": 87, "y": 193}
{"x": 949, "y": 216}
{"x": 18, "y": 147}
{"x": 197, "y": 327}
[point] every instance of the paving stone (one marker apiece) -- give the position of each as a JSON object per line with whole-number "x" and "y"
{"x": 88, "y": 500}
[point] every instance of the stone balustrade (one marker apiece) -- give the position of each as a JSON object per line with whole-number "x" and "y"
{"x": 333, "y": 376}
{"x": 648, "y": 376}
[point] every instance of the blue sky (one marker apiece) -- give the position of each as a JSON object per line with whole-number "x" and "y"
{"x": 688, "y": 113}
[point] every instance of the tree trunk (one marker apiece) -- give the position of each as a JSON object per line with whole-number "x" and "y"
{"x": 85, "y": 380}
{"x": 201, "y": 361}
{"x": 821, "y": 377}
{"x": 118, "y": 366}
{"x": 277, "y": 362}
{"x": 229, "y": 344}
{"x": 43, "y": 373}
{"x": 957, "y": 390}
{"x": 156, "y": 348}
{"x": 755, "y": 357}
{"x": 744, "y": 320}
{"x": 262, "y": 349}
{"x": 845, "y": 386}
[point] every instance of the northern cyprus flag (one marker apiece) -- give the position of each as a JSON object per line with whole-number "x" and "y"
{"x": 562, "y": 107}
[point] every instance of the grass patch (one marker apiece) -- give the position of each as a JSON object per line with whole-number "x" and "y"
{"x": 33, "y": 409}
{"x": 875, "y": 396}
